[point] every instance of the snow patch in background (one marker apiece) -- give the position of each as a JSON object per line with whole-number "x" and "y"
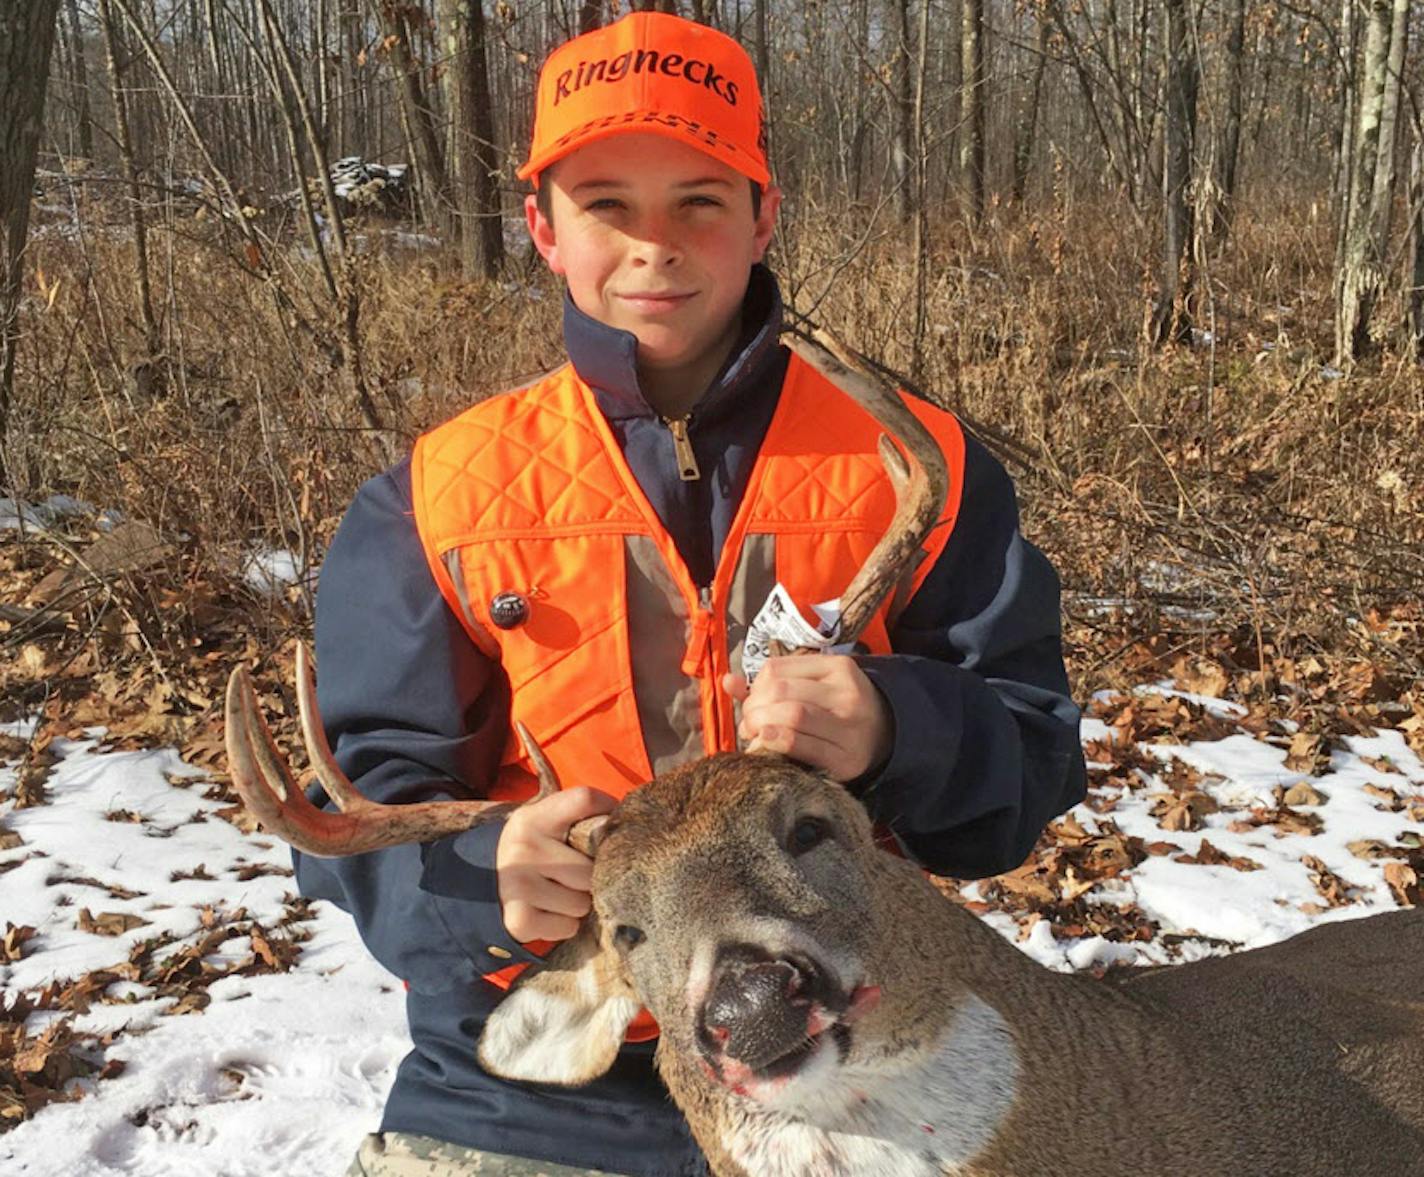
{"x": 44, "y": 514}
{"x": 272, "y": 571}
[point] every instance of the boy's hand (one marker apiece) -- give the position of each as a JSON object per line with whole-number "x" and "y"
{"x": 819, "y": 709}
{"x": 543, "y": 881}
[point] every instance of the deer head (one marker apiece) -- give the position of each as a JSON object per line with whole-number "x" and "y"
{"x": 734, "y": 898}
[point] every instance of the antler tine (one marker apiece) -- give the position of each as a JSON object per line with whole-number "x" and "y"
{"x": 548, "y": 778}
{"x": 921, "y": 481}
{"x": 323, "y": 763}
{"x": 265, "y": 784}
{"x": 584, "y": 836}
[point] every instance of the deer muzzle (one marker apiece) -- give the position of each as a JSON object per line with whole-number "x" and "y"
{"x": 763, "y": 1014}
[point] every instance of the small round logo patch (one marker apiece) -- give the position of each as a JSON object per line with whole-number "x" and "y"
{"x": 508, "y": 610}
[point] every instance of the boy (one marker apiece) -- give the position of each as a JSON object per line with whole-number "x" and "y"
{"x": 585, "y": 555}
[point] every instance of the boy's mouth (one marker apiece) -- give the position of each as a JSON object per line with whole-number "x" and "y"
{"x": 654, "y": 303}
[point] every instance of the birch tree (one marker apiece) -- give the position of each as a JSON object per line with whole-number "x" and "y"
{"x": 1360, "y": 278}
{"x": 971, "y": 146}
{"x": 1171, "y": 316}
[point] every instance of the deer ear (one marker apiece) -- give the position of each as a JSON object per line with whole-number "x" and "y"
{"x": 563, "y": 1021}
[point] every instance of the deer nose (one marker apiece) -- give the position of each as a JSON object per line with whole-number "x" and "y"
{"x": 758, "y": 1008}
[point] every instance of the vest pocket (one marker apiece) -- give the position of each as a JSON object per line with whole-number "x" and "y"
{"x": 568, "y": 662}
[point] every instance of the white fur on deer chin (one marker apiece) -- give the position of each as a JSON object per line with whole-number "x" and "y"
{"x": 929, "y": 1118}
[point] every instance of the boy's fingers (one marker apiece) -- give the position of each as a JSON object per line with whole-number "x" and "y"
{"x": 562, "y": 864}
{"x": 736, "y": 685}
{"x": 526, "y": 923}
{"x": 801, "y": 745}
{"x": 544, "y": 894}
{"x": 805, "y": 715}
{"x": 553, "y": 815}
{"x": 813, "y": 666}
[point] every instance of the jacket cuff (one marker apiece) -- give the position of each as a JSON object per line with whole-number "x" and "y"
{"x": 458, "y": 873}
{"x": 918, "y": 743}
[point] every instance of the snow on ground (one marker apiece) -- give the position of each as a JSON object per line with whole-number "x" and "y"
{"x": 280, "y": 1074}
{"x": 283, "y": 1073}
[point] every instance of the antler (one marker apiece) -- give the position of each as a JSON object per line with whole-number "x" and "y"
{"x": 265, "y": 784}
{"x": 921, "y": 483}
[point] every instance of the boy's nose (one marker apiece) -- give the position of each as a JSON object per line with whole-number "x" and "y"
{"x": 656, "y": 245}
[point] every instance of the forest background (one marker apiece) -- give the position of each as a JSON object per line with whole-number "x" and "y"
{"x": 1165, "y": 258}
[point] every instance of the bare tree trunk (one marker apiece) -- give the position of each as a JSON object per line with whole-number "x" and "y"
{"x": 1361, "y": 274}
{"x": 1028, "y": 112}
{"x": 223, "y": 151}
{"x": 419, "y": 117}
{"x": 26, "y": 40}
{"x": 1229, "y": 145}
{"x": 1171, "y": 318}
{"x": 971, "y": 146}
{"x": 922, "y": 216}
{"x": 763, "y": 68}
{"x": 80, "y": 69}
{"x": 474, "y": 162}
{"x": 1414, "y": 268}
{"x": 320, "y": 21}
{"x": 1383, "y": 188}
{"x": 117, "y": 57}
{"x": 590, "y": 15}
{"x": 902, "y": 111}
{"x": 1345, "y": 136}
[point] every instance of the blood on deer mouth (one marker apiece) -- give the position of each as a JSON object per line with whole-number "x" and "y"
{"x": 766, "y": 1018}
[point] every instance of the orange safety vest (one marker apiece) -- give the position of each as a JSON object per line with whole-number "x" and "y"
{"x": 616, "y": 668}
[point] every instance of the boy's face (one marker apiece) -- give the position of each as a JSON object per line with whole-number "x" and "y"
{"x": 656, "y": 238}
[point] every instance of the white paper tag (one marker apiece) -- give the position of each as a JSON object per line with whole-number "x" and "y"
{"x": 779, "y": 620}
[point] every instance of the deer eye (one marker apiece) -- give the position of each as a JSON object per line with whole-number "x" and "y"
{"x": 807, "y": 834}
{"x": 627, "y": 937}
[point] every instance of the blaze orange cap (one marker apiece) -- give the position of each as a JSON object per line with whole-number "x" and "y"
{"x": 655, "y": 73}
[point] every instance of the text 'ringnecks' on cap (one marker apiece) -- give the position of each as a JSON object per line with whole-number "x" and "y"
{"x": 656, "y": 73}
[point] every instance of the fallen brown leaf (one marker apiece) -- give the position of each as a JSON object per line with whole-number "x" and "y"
{"x": 108, "y": 923}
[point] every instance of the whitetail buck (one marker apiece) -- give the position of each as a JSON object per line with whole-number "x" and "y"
{"x": 825, "y": 1012}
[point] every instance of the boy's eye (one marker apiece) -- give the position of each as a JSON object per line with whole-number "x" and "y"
{"x": 704, "y": 201}
{"x": 603, "y": 202}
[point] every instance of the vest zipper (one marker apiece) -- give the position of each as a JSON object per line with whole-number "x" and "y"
{"x": 696, "y": 653}
{"x": 686, "y": 460}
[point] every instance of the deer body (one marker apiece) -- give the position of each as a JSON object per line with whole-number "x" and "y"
{"x": 826, "y": 1013}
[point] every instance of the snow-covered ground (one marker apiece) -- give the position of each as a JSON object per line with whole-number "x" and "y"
{"x": 280, "y": 1074}
{"x": 282, "y": 1071}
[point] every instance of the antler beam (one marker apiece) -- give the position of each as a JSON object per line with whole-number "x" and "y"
{"x": 266, "y": 786}
{"x": 921, "y": 480}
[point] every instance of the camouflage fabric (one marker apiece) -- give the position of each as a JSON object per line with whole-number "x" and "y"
{"x": 401, "y": 1154}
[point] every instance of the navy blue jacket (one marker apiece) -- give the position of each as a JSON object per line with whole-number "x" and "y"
{"x": 985, "y": 752}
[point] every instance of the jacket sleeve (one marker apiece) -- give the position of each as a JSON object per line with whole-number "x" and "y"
{"x": 414, "y": 712}
{"x": 986, "y": 747}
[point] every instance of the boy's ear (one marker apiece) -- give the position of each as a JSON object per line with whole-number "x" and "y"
{"x": 562, "y": 1021}
{"x": 541, "y": 232}
{"x": 766, "y": 219}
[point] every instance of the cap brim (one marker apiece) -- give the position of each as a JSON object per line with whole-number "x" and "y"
{"x": 729, "y": 154}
